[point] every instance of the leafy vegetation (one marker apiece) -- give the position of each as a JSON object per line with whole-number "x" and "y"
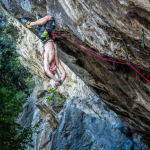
{"x": 56, "y": 96}
{"x": 15, "y": 86}
{"x": 13, "y": 75}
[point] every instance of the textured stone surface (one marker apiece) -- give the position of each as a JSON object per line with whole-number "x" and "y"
{"x": 85, "y": 111}
{"x": 112, "y": 28}
{"x": 86, "y": 124}
{"x": 80, "y": 131}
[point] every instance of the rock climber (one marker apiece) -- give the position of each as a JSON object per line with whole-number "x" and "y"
{"x": 51, "y": 59}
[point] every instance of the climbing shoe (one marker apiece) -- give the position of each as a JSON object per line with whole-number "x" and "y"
{"x": 26, "y": 22}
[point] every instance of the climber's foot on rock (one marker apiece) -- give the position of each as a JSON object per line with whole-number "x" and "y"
{"x": 26, "y": 22}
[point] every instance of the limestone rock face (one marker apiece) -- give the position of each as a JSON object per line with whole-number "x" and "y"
{"x": 83, "y": 123}
{"x": 110, "y": 28}
{"x": 81, "y": 130}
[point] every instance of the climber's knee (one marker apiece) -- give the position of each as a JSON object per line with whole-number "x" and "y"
{"x": 48, "y": 18}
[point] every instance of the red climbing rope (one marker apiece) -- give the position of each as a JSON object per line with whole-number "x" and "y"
{"x": 117, "y": 62}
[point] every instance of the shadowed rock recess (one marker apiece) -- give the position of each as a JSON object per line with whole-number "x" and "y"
{"x": 110, "y": 28}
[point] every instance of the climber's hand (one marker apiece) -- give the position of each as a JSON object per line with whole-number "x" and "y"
{"x": 58, "y": 82}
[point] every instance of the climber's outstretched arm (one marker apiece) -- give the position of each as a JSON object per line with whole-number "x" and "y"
{"x": 41, "y": 21}
{"x": 58, "y": 64}
{"x": 62, "y": 71}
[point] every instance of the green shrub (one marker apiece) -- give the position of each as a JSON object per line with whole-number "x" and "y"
{"x": 30, "y": 83}
{"x": 13, "y": 74}
{"x": 15, "y": 86}
{"x": 56, "y": 96}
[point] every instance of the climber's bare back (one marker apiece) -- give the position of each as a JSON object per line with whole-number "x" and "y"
{"x": 51, "y": 56}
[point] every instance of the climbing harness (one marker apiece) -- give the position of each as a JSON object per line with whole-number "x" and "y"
{"x": 143, "y": 33}
{"x": 116, "y": 62}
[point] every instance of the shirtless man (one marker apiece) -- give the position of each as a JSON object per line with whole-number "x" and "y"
{"x": 51, "y": 59}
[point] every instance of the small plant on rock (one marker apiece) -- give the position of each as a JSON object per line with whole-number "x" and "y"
{"x": 55, "y": 96}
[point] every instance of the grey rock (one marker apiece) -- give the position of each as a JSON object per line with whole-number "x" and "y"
{"x": 111, "y": 28}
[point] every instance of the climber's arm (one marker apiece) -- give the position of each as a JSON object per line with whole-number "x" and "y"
{"x": 62, "y": 71}
{"x": 58, "y": 64}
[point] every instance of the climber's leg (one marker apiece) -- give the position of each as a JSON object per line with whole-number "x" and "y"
{"x": 41, "y": 21}
{"x": 56, "y": 55}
